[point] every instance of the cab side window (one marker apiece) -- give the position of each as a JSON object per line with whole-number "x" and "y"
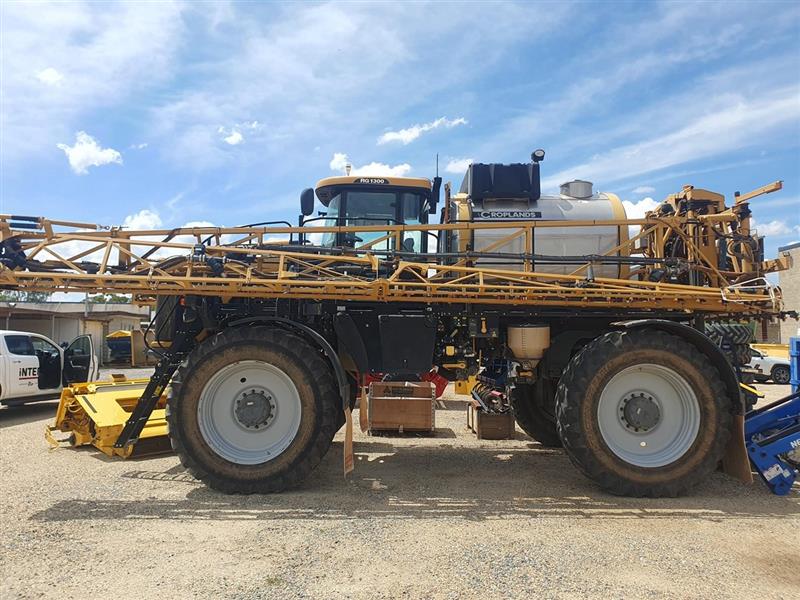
{"x": 40, "y": 345}
{"x": 80, "y": 347}
{"x": 20, "y": 345}
{"x": 412, "y": 241}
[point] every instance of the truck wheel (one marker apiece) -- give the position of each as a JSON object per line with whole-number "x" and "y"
{"x": 528, "y": 402}
{"x": 780, "y": 374}
{"x": 643, "y": 413}
{"x": 252, "y": 410}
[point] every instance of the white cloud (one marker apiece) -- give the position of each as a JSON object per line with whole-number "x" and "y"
{"x": 87, "y": 153}
{"x": 340, "y": 161}
{"x": 317, "y": 92}
{"x": 112, "y": 51}
{"x": 198, "y": 224}
{"x": 144, "y": 219}
{"x": 406, "y": 136}
{"x": 644, "y": 189}
{"x": 458, "y": 165}
{"x": 738, "y": 123}
{"x": 49, "y": 76}
{"x": 775, "y": 228}
{"x": 376, "y": 168}
{"x": 637, "y": 210}
{"x": 234, "y": 138}
{"x": 141, "y": 146}
{"x": 234, "y": 135}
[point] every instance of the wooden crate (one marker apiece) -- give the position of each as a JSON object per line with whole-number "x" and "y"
{"x": 401, "y": 406}
{"x": 490, "y": 426}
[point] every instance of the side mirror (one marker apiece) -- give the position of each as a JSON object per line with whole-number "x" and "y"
{"x": 437, "y": 185}
{"x": 307, "y": 201}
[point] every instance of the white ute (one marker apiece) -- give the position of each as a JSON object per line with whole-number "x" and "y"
{"x": 769, "y": 367}
{"x": 33, "y": 367}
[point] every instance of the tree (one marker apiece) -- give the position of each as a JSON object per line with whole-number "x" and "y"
{"x": 110, "y": 299}
{"x": 18, "y": 296}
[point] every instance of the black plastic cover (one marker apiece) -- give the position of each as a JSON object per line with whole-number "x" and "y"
{"x": 407, "y": 343}
{"x": 488, "y": 181}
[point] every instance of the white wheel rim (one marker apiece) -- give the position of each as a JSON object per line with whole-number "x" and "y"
{"x": 671, "y": 415}
{"x": 249, "y": 412}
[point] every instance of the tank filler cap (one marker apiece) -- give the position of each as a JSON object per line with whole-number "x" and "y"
{"x": 577, "y": 189}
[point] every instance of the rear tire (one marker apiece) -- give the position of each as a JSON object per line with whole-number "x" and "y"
{"x": 252, "y": 410}
{"x": 643, "y": 413}
{"x": 781, "y": 374}
{"x": 530, "y": 404}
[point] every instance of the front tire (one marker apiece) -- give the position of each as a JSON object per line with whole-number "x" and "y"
{"x": 252, "y": 410}
{"x": 643, "y": 413}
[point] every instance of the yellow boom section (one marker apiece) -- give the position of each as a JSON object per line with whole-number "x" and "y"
{"x": 95, "y": 413}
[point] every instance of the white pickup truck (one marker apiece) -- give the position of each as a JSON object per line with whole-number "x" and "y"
{"x": 33, "y": 367}
{"x": 767, "y": 367}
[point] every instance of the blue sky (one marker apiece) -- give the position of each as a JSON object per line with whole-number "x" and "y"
{"x": 174, "y": 113}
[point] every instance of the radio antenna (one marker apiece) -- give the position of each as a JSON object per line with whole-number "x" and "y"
{"x": 437, "y": 164}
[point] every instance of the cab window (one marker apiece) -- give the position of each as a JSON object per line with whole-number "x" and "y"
{"x": 20, "y": 345}
{"x": 372, "y": 208}
{"x": 375, "y": 207}
{"x": 80, "y": 347}
{"x": 40, "y": 345}
{"x": 412, "y": 240}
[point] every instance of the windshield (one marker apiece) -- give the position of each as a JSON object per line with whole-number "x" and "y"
{"x": 360, "y": 208}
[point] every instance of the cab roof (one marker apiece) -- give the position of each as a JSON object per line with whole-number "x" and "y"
{"x": 327, "y": 188}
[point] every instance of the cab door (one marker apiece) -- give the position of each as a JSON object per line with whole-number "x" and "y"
{"x": 80, "y": 363}
{"x": 22, "y": 366}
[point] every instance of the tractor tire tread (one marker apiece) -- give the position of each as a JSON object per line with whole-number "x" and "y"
{"x": 328, "y": 405}
{"x": 532, "y": 419}
{"x": 575, "y": 381}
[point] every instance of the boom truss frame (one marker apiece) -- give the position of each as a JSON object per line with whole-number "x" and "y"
{"x": 251, "y": 262}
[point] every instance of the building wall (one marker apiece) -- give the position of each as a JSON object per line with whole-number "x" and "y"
{"x": 62, "y": 329}
{"x": 41, "y": 326}
{"x": 789, "y": 281}
{"x": 773, "y": 335}
{"x": 124, "y": 323}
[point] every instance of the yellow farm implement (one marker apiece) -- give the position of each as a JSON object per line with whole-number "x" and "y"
{"x": 95, "y": 413}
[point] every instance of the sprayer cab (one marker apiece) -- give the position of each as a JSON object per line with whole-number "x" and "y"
{"x": 372, "y": 201}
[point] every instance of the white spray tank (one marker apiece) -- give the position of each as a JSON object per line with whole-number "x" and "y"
{"x": 511, "y": 192}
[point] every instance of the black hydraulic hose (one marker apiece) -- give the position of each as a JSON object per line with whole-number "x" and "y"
{"x": 542, "y": 258}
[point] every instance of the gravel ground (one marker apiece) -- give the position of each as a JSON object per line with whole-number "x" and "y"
{"x": 421, "y": 517}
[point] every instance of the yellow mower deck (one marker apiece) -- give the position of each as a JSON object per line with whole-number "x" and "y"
{"x": 95, "y": 413}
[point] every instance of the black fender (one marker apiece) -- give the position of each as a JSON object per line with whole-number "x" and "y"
{"x": 315, "y": 338}
{"x": 350, "y": 341}
{"x": 704, "y": 344}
